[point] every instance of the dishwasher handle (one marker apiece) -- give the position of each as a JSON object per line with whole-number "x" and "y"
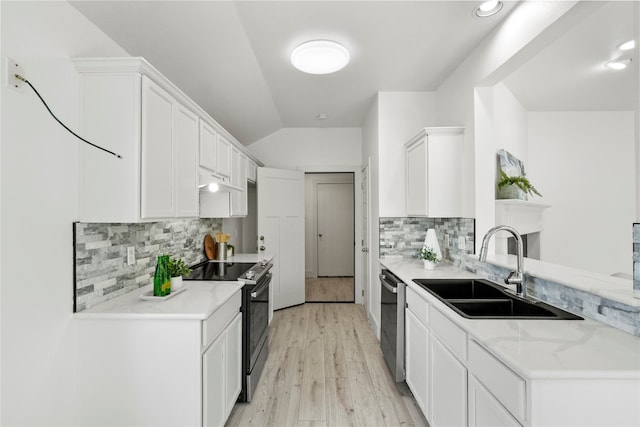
{"x": 393, "y": 289}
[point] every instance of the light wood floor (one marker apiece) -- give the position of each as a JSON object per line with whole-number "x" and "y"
{"x": 329, "y": 289}
{"x": 325, "y": 368}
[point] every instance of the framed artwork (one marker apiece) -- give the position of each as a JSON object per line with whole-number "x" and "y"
{"x": 510, "y": 164}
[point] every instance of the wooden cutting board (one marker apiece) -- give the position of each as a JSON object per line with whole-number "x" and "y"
{"x": 209, "y": 246}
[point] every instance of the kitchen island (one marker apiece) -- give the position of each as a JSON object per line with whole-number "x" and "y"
{"x": 514, "y": 372}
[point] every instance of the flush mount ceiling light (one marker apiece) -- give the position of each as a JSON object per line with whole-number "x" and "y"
{"x": 320, "y": 57}
{"x": 631, "y": 44}
{"x": 488, "y": 8}
{"x": 618, "y": 64}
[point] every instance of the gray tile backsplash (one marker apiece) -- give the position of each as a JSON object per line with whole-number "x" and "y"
{"x": 100, "y": 254}
{"x": 405, "y": 236}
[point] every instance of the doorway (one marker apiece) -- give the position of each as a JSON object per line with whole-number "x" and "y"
{"x": 329, "y": 237}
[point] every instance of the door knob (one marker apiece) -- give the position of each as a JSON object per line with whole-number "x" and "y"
{"x": 262, "y": 248}
{"x": 262, "y": 238}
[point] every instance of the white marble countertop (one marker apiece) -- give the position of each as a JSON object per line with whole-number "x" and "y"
{"x": 198, "y": 301}
{"x": 537, "y": 348}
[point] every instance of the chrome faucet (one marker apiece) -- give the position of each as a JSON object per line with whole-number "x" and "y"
{"x": 515, "y": 277}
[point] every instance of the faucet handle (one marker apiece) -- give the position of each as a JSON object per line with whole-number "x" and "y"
{"x": 515, "y": 278}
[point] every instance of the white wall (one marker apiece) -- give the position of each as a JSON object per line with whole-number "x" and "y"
{"x": 39, "y": 204}
{"x": 291, "y": 148}
{"x": 520, "y": 34}
{"x": 583, "y": 163}
{"x": 510, "y": 121}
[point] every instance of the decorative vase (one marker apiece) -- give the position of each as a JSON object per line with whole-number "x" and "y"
{"x": 176, "y": 283}
{"x": 511, "y": 191}
{"x": 428, "y": 265}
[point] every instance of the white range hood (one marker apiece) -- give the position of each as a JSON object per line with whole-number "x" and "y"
{"x": 207, "y": 178}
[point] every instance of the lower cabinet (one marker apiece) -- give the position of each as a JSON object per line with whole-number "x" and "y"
{"x": 221, "y": 374}
{"x": 485, "y": 410}
{"x": 417, "y": 368}
{"x": 137, "y": 370}
{"x": 448, "y": 387}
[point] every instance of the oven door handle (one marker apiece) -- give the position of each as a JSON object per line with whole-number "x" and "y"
{"x": 264, "y": 287}
{"x": 387, "y": 285}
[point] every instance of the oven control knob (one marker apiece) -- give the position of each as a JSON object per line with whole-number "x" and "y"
{"x": 250, "y": 274}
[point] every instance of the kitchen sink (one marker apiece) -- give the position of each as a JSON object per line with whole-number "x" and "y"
{"x": 482, "y": 299}
{"x": 461, "y": 288}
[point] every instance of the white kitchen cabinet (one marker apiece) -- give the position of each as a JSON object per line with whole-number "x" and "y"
{"x": 434, "y": 172}
{"x": 215, "y": 152}
{"x": 223, "y": 153}
{"x": 148, "y": 370}
{"x": 208, "y": 142}
{"x": 185, "y": 157}
{"x": 448, "y": 390}
{"x": 485, "y": 410}
{"x": 252, "y": 171}
{"x": 169, "y": 175}
{"x": 239, "y": 202}
{"x": 417, "y": 359}
{"x": 125, "y": 110}
{"x": 221, "y": 383}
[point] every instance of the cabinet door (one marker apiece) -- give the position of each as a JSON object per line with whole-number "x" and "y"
{"x": 234, "y": 363}
{"x": 485, "y": 410}
{"x": 448, "y": 392}
{"x": 208, "y": 141}
{"x": 252, "y": 169}
{"x": 417, "y": 359}
{"x": 214, "y": 365}
{"x": 239, "y": 173}
{"x": 157, "y": 199}
{"x": 223, "y": 154}
{"x": 416, "y": 156}
{"x": 185, "y": 154}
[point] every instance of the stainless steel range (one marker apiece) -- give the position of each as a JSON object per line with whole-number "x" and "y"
{"x": 255, "y": 312}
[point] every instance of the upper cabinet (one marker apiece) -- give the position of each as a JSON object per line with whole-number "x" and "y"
{"x": 165, "y": 139}
{"x": 433, "y": 172}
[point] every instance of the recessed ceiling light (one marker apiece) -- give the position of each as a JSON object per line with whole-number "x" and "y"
{"x": 320, "y": 57}
{"x": 618, "y": 64}
{"x": 489, "y": 8}
{"x": 631, "y": 44}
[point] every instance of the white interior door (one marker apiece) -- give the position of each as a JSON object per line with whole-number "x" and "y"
{"x": 335, "y": 229}
{"x": 281, "y": 232}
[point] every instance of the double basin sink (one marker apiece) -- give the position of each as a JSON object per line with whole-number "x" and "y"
{"x": 482, "y": 299}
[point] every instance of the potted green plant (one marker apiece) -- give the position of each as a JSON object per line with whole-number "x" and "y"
{"x": 515, "y": 187}
{"x": 177, "y": 268}
{"x": 429, "y": 257}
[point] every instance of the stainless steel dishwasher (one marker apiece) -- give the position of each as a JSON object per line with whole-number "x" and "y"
{"x": 392, "y": 303}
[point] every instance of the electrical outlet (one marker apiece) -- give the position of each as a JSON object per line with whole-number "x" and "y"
{"x": 131, "y": 255}
{"x": 12, "y": 68}
{"x": 462, "y": 243}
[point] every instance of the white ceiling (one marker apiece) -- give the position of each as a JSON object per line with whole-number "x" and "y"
{"x": 570, "y": 75}
{"x": 232, "y": 57}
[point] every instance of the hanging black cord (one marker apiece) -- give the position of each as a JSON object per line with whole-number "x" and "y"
{"x": 19, "y": 77}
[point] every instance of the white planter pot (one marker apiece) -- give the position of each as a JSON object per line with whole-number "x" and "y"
{"x": 428, "y": 265}
{"x": 176, "y": 283}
